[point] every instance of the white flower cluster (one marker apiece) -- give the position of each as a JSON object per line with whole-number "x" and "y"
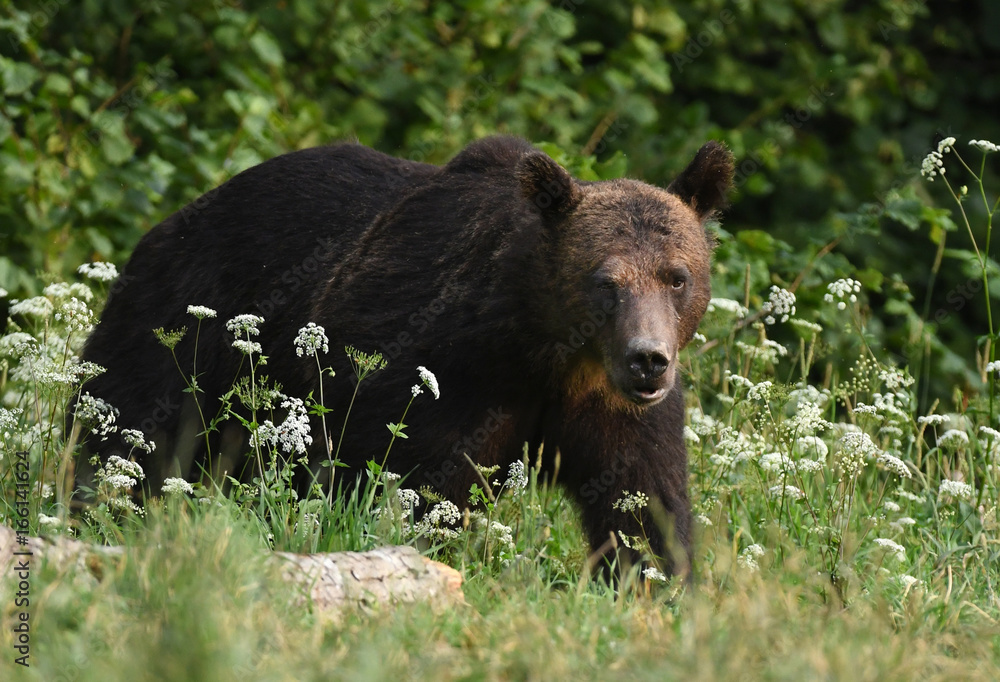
{"x": 137, "y": 439}
{"x": 813, "y": 444}
{"x": 727, "y": 305}
{"x": 176, "y": 486}
{"x": 894, "y": 464}
{"x": 953, "y": 438}
{"x": 842, "y": 291}
{"x": 993, "y": 366}
{"x": 62, "y": 290}
{"x": 96, "y": 414}
{"x": 654, "y": 574}
{"x": 955, "y": 489}
{"x": 760, "y": 391}
{"x": 245, "y": 324}
{"x": 102, "y": 272}
{"x": 781, "y": 303}
{"x": 120, "y": 474}
{"x": 76, "y": 315}
{"x": 201, "y": 311}
{"x": 769, "y": 351}
{"x": 291, "y": 435}
{"x": 690, "y": 436}
{"x": 39, "y": 306}
{"x": 933, "y": 419}
{"x": 8, "y": 419}
{"x": 408, "y": 498}
{"x": 856, "y": 448}
{"x": 738, "y": 380}
{"x": 436, "y": 522}
{"x": 808, "y": 419}
{"x": 631, "y": 502}
{"x": 788, "y": 491}
{"x": 517, "y": 479}
{"x": 311, "y": 339}
{"x": 894, "y": 548}
{"x": 933, "y": 163}
{"x": 894, "y": 378}
{"x": 984, "y": 146}
{"x": 430, "y": 381}
{"x": 749, "y": 556}
{"x": 776, "y": 462}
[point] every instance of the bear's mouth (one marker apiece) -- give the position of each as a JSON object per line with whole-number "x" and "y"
{"x": 647, "y": 395}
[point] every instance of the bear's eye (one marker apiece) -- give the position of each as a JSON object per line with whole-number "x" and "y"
{"x": 677, "y": 282}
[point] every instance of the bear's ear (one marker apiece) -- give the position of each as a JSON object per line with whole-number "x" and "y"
{"x": 705, "y": 183}
{"x": 547, "y": 185}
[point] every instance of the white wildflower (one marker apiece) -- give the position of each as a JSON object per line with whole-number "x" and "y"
{"x": 902, "y": 523}
{"x": 894, "y": 464}
{"x": 430, "y": 381}
{"x": 245, "y": 324}
{"x": 907, "y": 495}
{"x": 311, "y": 339}
{"x": 955, "y": 489}
{"x": 654, "y": 574}
{"x": 39, "y": 306}
{"x": 933, "y": 419}
{"x": 630, "y": 502}
{"x": 813, "y": 444}
{"x": 908, "y": 580}
{"x": 856, "y": 448}
{"x": 247, "y": 347}
{"x": 727, "y": 305}
{"x": 443, "y": 513}
{"x": 776, "y": 462}
{"x": 842, "y": 291}
{"x": 780, "y": 304}
{"x": 984, "y": 146}
{"x": 805, "y": 326}
{"x": 760, "y": 391}
{"x": 890, "y": 506}
{"x": 703, "y": 520}
{"x": 809, "y": 466}
{"x": 3, "y": 293}
{"x": 749, "y": 556}
{"x": 44, "y": 520}
{"x": 408, "y": 498}
{"x": 137, "y": 439}
{"x": 991, "y": 434}
{"x": 96, "y": 414}
{"x": 896, "y": 549}
{"x": 789, "y": 491}
{"x": 954, "y": 438}
{"x": 517, "y": 479}
{"x": 292, "y": 435}
{"x": 76, "y": 315}
{"x": 737, "y": 380}
{"x": 201, "y": 312}
{"x": 993, "y": 366}
{"x": 690, "y": 436}
{"x": 102, "y": 272}
{"x": 176, "y": 486}
{"x": 894, "y": 378}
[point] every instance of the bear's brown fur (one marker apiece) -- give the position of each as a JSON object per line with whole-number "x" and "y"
{"x": 550, "y": 309}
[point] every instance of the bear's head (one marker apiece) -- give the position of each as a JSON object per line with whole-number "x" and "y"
{"x": 630, "y": 266}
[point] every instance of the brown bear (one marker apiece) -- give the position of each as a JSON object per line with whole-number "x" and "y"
{"x": 550, "y": 309}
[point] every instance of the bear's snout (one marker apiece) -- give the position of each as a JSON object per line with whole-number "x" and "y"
{"x": 647, "y": 361}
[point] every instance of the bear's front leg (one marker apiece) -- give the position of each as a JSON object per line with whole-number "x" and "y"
{"x": 628, "y": 470}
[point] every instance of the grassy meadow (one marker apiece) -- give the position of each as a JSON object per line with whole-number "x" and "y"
{"x": 846, "y": 528}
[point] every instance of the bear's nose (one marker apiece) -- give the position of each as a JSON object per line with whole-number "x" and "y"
{"x": 646, "y": 359}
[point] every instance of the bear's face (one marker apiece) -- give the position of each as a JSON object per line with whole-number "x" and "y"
{"x": 640, "y": 256}
{"x": 631, "y": 271}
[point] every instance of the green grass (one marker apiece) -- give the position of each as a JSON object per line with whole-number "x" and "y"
{"x": 844, "y": 531}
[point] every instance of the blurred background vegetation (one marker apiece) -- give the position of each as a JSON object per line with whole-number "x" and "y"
{"x": 115, "y": 113}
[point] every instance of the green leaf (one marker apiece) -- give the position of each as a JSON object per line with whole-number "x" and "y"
{"x": 267, "y": 49}
{"x": 17, "y": 76}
